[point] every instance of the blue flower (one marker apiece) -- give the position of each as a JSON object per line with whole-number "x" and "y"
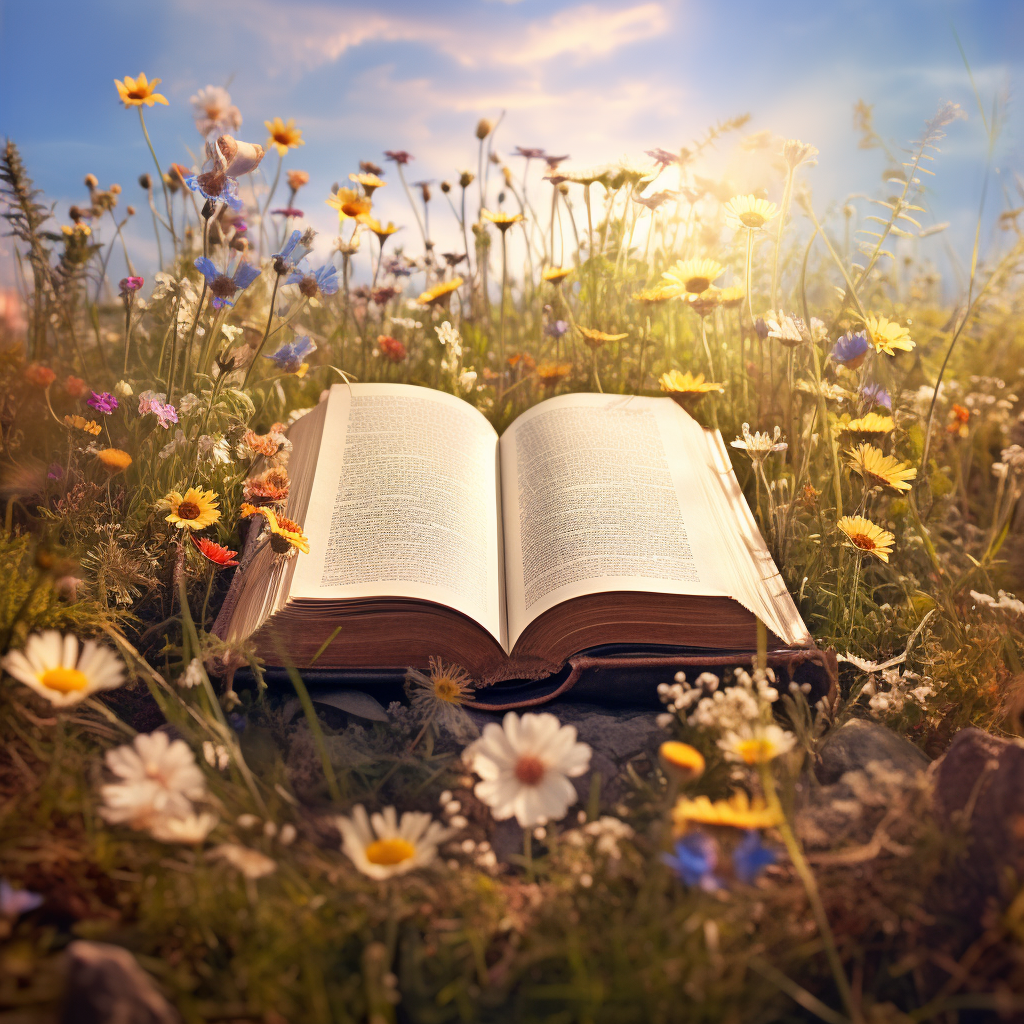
{"x": 15, "y": 902}
{"x": 875, "y": 394}
{"x": 218, "y": 188}
{"x": 298, "y": 246}
{"x": 291, "y": 357}
{"x": 222, "y": 287}
{"x": 324, "y": 280}
{"x": 695, "y": 860}
{"x": 556, "y": 329}
{"x": 851, "y": 350}
{"x": 750, "y": 858}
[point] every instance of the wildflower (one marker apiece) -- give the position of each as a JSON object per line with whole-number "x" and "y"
{"x": 739, "y": 811}
{"x": 788, "y": 329}
{"x": 102, "y": 401}
{"x": 222, "y": 287}
{"x": 122, "y": 389}
{"x": 382, "y": 846}
{"x": 440, "y": 294}
{"x": 758, "y": 745}
{"x": 595, "y": 339}
{"x": 398, "y": 156}
{"x": 391, "y": 348}
{"x": 959, "y": 418}
{"x": 152, "y": 402}
{"x": 349, "y": 203}
{"x": 556, "y": 274}
{"x": 557, "y": 328}
{"x": 294, "y": 251}
{"x": 189, "y": 829}
{"x": 53, "y": 666}
{"x": 216, "y": 553}
{"x": 875, "y": 394}
{"x": 525, "y": 765}
{"x": 695, "y": 860}
{"x": 551, "y": 374}
{"x": 216, "y": 755}
{"x": 1005, "y": 602}
{"x": 323, "y": 281}
{"x": 871, "y": 423}
{"x": 731, "y": 297}
{"x": 681, "y": 761}
{"x": 750, "y": 212}
{"x": 214, "y": 448}
{"x": 214, "y": 111}
{"x": 39, "y": 375}
{"x": 830, "y": 392}
{"x": 751, "y": 857}
{"x": 503, "y": 221}
{"x": 251, "y": 863}
{"x": 15, "y": 902}
{"x": 374, "y": 225}
{"x": 296, "y": 179}
{"x": 888, "y": 336}
{"x": 795, "y": 153}
{"x": 662, "y": 157}
{"x": 192, "y": 676}
{"x": 272, "y": 446}
{"x": 81, "y": 423}
{"x": 283, "y": 136}
{"x": 441, "y": 694}
{"x": 851, "y": 350}
{"x": 759, "y": 445}
{"x": 370, "y": 182}
{"x": 286, "y": 536}
{"x": 880, "y": 469}
{"x": 660, "y": 293}
{"x": 866, "y": 536}
{"x": 74, "y": 387}
{"x": 695, "y": 276}
{"x": 196, "y": 509}
{"x": 686, "y": 389}
{"x": 113, "y": 460}
{"x": 291, "y": 358}
{"x": 129, "y": 285}
{"x": 157, "y": 777}
{"x": 269, "y": 487}
{"x": 288, "y": 211}
{"x": 134, "y": 92}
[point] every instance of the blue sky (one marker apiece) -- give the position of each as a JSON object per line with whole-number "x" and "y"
{"x": 598, "y": 79}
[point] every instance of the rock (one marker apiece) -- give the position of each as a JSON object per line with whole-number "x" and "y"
{"x": 857, "y": 743}
{"x": 106, "y": 985}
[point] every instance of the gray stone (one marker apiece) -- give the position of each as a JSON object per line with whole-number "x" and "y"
{"x": 106, "y": 985}
{"x": 856, "y": 744}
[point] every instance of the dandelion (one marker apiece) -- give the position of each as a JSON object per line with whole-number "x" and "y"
{"x": 382, "y": 846}
{"x": 739, "y": 811}
{"x": 103, "y": 402}
{"x": 283, "y": 135}
{"x": 222, "y": 287}
{"x": 757, "y": 745}
{"x": 880, "y": 469}
{"x": 850, "y": 350}
{"x": 216, "y": 553}
{"x": 196, "y": 509}
{"x": 81, "y": 423}
{"x": 250, "y": 863}
{"x": 888, "y": 336}
{"x": 136, "y": 92}
{"x": 440, "y": 294}
{"x": 525, "y": 765}
{"x": 866, "y": 536}
{"x": 750, "y": 212}
{"x": 441, "y": 695}
{"x": 686, "y": 389}
{"x": 55, "y": 667}
{"x": 286, "y": 536}
{"x": 681, "y": 761}
{"x": 695, "y": 275}
{"x": 113, "y": 460}
{"x": 291, "y": 358}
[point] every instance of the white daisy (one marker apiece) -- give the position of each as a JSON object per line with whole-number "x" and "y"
{"x": 191, "y": 829}
{"x": 525, "y": 765}
{"x": 53, "y": 666}
{"x": 159, "y": 778}
{"x": 381, "y": 846}
{"x": 757, "y": 745}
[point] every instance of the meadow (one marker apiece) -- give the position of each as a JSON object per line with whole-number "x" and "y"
{"x": 267, "y": 864}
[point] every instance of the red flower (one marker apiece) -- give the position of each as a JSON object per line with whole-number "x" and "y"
{"x": 41, "y": 376}
{"x": 391, "y": 348}
{"x": 216, "y": 553}
{"x": 74, "y": 387}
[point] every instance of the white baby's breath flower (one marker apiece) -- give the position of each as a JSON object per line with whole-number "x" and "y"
{"x": 57, "y": 669}
{"x": 382, "y": 846}
{"x": 216, "y": 755}
{"x": 192, "y": 676}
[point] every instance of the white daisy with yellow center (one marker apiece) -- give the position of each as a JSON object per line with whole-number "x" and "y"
{"x": 57, "y": 669}
{"x": 382, "y": 846}
{"x": 757, "y": 745}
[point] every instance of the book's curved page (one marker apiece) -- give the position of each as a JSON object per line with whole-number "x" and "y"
{"x": 405, "y": 503}
{"x": 600, "y": 494}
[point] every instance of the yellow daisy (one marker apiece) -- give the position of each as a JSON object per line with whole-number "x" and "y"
{"x": 556, "y": 274}
{"x": 81, "y": 423}
{"x": 194, "y": 510}
{"x": 349, "y": 203}
{"x": 866, "y": 536}
{"x": 695, "y": 275}
{"x": 681, "y": 761}
{"x": 113, "y": 460}
{"x": 503, "y": 220}
{"x": 887, "y": 336}
{"x": 872, "y": 423}
{"x": 731, "y": 297}
{"x": 283, "y": 136}
{"x": 686, "y": 389}
{"x": 595, "y": 339}
{"x": 286, "y": 536}
{"x": 658, "y": 294}
{"x": 880, "y": 469}
{"x": 136, "y": 92}
{"x": 749, "y": 212}
{"x": 370, "y": 182}
{"x": 736, "y": 812}
{"x": 551, "y": 374}
{"x": 383, "y": 233}
{"x": 440, "y": 293}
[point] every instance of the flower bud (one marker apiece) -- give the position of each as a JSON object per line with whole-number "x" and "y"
{"x": 484, "y": 127}
{"x": 680, "y": 761}
{"x": 91, "y": 181}
{"x": 145, "y": 182}
{"x": 466, "y": 178}
{"x": 115, "y": 189}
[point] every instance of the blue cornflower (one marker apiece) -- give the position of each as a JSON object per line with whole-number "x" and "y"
{"x": 324, "y": 280}
{"x": 222, "y": 287}
{"x": 15, "y": 902}
{"x": 695, "y": 860}
{"x": 217, "y": 187}
{"x": 875, "y": 394}
{"x": 291, "y": 357}
{"x": 750, "y": 858}
{"x": 298, "y": 246}
{"x": 556, "y": 329}
{"x": 851, "y": 349}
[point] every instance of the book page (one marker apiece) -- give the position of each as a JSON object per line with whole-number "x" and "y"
{"x": 405, "y": 503}
{"x": 600, "y": 494}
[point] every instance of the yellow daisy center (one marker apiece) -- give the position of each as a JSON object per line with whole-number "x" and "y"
{"x": 752, "y": 219}
{"x": 447, "y": 689}
{"x": 696, "y": 285}
{"x": 389, "y": 851}
{"x": 756, "y": 751}
{"x": 63, "y": 680}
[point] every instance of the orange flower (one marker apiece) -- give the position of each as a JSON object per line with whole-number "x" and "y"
{"x": 283, "y": 136}
{"x": 41, "y": 376}
{"x": 216, "y": 553}
{"x": 961, "y": 417}
{"x": 136, "y": 92}
{"x": 595, "y": 339}
{"x": 114, "y": 460}
{"x": 267, "y": 488}
{"x": 296, "y": 179}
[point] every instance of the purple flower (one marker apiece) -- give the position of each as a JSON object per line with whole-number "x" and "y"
{"x": 662, "y": 157}
{"x": 222, "y": 287}
{"x": 875, "y": 394}
{"x": 695, "y": 860}
{"x": 15, "y": 902}
{"x": 55, "y": 472}
{"x": 102, "y": 401}
{"x": 151, "y": 402}
{"x": 530, "y": 152}
{"x": 750, "y": 858}
{"x": 851, "y": 350}
{"x": 290, "y": 357}
{"x": 556, "y": 329}
{"x": 398, "y": 155}
{"x": 296, "y": 249}
{"x": 130, "y": 285}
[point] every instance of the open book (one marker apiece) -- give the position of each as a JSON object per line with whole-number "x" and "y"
{"x": 593, "y": 520}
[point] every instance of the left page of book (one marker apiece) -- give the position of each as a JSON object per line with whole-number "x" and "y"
{"x": 405, "y": 503}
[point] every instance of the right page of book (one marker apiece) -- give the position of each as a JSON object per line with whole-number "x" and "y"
{"x": 621, "y": 493}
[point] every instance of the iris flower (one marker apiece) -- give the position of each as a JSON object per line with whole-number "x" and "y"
{"x": 222, "y": 287}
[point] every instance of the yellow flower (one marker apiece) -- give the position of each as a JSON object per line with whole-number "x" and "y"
{"x": 731, "y": 297}
{"x": 283, "y": 136}
{"x": 686, "y": 389}
{"x": 556, "y": 274}
{"x": 114, "y": 460}
{"x": 503, "y": 220}
{"x": 550, "y": 374}
{"x": 872, "y": 423}
{"x": 704, "y": 302}
{"x": 758, "y": 745}
{"x": 440, "y": 696}
{"x": 134, "y": 92}
{"x": 887, "y": 336}
{"x": 681, "y": 761}
{"x": 695, "y": 276}
{"x": 878, "y": 468}
{"x": 81, "y": 423}
{"x": 736, "y": 812}
{"x": 658, "y": 294}
{"x": 194, "y": 510}
{"x": 370, "y": 182}
{"x": 286, "y": 536}
{"x": 595, "y": 339}
{"x": 440, "y": 293}
{"x": 866, "y": 536}
{"x": 382, "y": 233}
{"x": 349, "y": 203}
{"x": 749, "y": 212}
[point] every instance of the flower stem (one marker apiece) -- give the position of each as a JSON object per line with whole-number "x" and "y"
{"x": 163, "y": 184}
{"x": 266, "y": 332}
{"x": 786, "y": 196}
